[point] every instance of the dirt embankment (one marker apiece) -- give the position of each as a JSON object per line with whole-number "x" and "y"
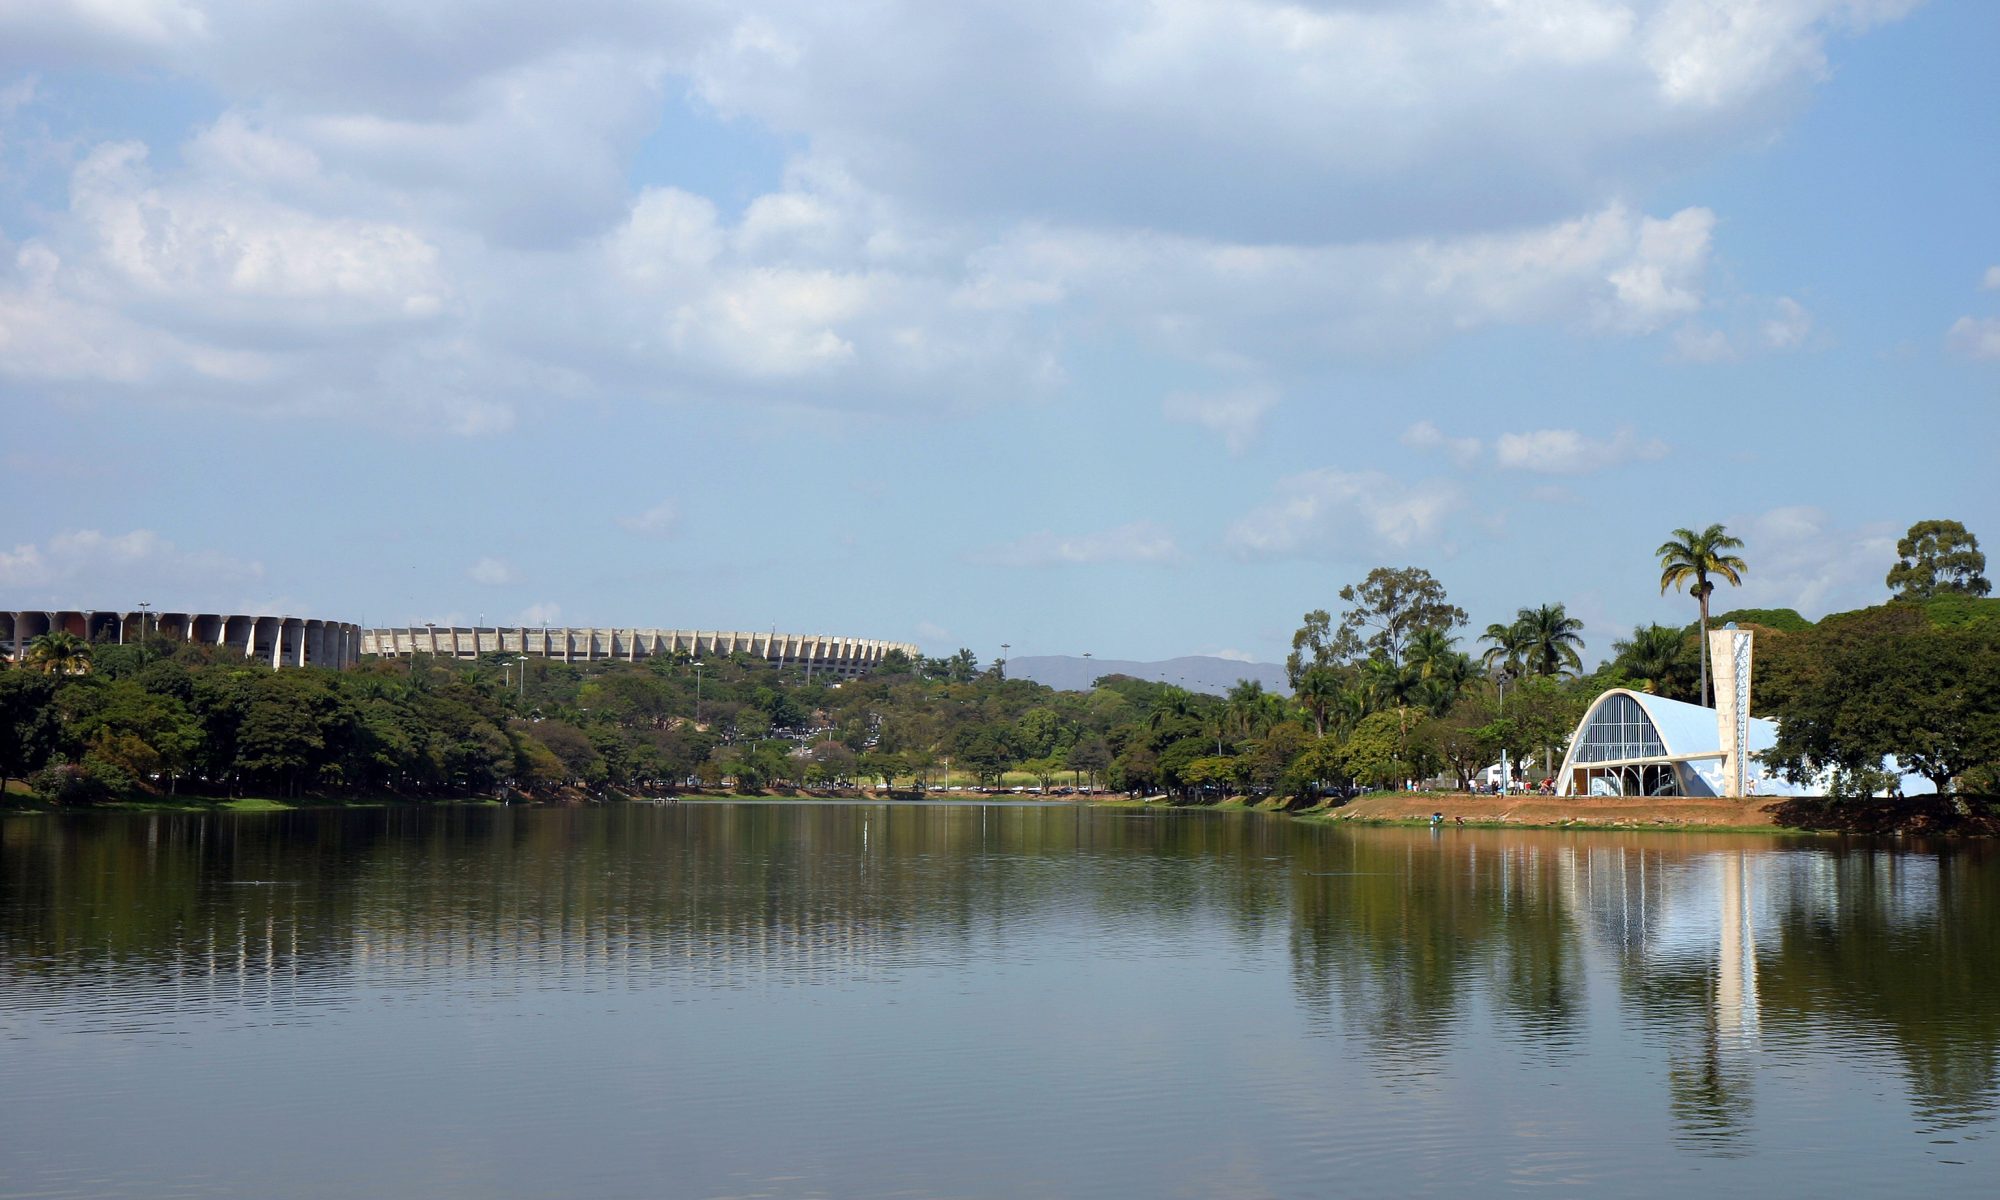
{"x": 1608, "y": 812}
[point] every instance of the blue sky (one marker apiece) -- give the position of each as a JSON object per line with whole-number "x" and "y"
{"x": 1135, "y": 328}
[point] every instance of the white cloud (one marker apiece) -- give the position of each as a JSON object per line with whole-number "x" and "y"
{"x": 1542, "y": 451}
{"x": 1751, "y": 325}
{"x": 1567, "y": 452}
{"x": 206, "y": 248}
{"x": 661, "y": 520}
{"x": 1992, "y": 280}
{"x": 546, "y": 612}
{"x": 1333, "y": 513}
{"x": 1976, "y": 337}
{"x": 1142, "y": 542}
{"x": 423, "y": 218}
{"x": 1366, "y": 117}
{"x": 492, "y": 572}
{"x": 91, "y": 568}
{"x": 1801, "y": 558}
{"x": 1695, "y": 344}
{"x": 1788, "y": 326}
{"x": 1425, "y": 435}
{"x": 1236, "y": 416}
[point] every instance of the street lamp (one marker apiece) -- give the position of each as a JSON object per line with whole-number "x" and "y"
{"x": 1004, "y": 648}
{"x": 523, "y": 660}
{"x": 697, "y": 693}
{"x": 145, "y": 615}
{"x": 1506, "y": 774}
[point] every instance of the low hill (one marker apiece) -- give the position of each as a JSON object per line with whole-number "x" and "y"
{"x": 1784, "y": 620}
{"x": 1197, "y": 673}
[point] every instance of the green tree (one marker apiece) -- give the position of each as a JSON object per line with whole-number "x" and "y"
{"x": 1550, "y": 638}
{"x": 1089, "y": 757}
{"x": 1883, "y": 682}
{"x": 1658, "y": 659}
{"x": 29, "y": 724}
{"x": 1135, "y": 770}
{"x": 1464, "y": 738}
{"x": 1506, "y": 650}
{"x": 1211, "y": 771}
{"x": 1316, "y": 645}
{"x": 1938, "y": 558}
{"x": 1375, "y": 753}
{"x": 1687, "y": 560}
{"x": 59, "y": 653}
{"x": 1390, "y": 606}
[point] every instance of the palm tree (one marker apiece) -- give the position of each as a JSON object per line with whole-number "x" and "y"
{"x": 1250, "y": 710}
{"x": 1387, "y": 684}
{"x": 1695, "y": 556}
{"x": 59, "y": 653}
{"x": 1508, "y": 653}
{"x": 1318, "y": 692}
{"x": 1549, "y": 638}
{"x": 1170, "y": 705}
{"x": 1428, "y": 649}
{"x": 1654, "y": 657}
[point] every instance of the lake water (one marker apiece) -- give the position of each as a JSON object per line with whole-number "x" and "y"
{"x": 996, "y": 1001}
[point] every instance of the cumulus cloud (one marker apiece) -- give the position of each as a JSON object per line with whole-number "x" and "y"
{"x": 1237, "y": 416}
{"x": 546, "y": 612}
{"x": 1992, "y": 280}
{"x": 196, "y": 247}
{"x": 1801, "y": 557}
{"x": 1753, "y": 325}
{"x": 1542, "y": 451}
{"x": 1376, "y": 119}
{"x": 492, "y": 572}
{"x": 1332, "y": 513}
{"x": 1788, "y": 326}
{"x": 91, "y": 568}
{"x": 1976, "y": 337}
{"x": 1425, "y": 435}
{"x": 1140, "y": 542}
{"x": 1567, "y": 452}
{"x": 661, "y": 520}
{"x": 426, "y": 220}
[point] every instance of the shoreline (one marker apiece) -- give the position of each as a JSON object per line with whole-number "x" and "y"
{"x": 1757, "y": 815}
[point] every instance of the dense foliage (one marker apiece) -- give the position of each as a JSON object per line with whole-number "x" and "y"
{"x": 1381, "y": 694}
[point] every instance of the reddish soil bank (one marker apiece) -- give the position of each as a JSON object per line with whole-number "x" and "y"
{"x": 1605, "y": 811}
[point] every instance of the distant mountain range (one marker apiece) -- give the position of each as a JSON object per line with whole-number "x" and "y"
{"x": 1196, "y": 673}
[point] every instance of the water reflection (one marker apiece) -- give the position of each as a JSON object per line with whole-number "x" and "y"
{"x": 1731, "y": 989}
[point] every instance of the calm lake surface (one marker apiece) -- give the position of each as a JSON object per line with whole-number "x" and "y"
{"x": 999, "y": 1001}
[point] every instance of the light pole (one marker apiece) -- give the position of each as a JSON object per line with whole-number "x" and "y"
{"x": 1004, "y": 648}
{"x": 1506, "y": 775}
{"x": 697, "y": 693}
{"x": 523, "y": 660}
{"x": 145, "y": 618}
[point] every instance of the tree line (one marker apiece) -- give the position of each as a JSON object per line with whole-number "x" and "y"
{"x": 1383, "y": 689}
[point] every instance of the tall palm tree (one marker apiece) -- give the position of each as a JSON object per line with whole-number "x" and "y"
{"x": 1250, "y": 710}
{"x": 1318, "y": 691}
{"x": 1388, "y": 685}
{"x": 59, "y": 653}
{"x": 1690, "y": 556}
{"x": 1428, "y": 650}
{"x": 1508, "y": 649}
{"x": 1549, "y": 638}
{"x": 1170, "y": 705}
